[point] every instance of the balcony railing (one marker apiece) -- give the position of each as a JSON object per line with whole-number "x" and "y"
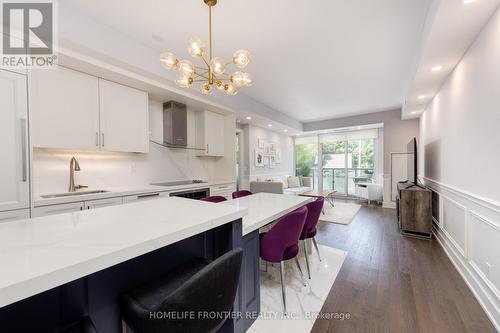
{"x": 343, "y": 180}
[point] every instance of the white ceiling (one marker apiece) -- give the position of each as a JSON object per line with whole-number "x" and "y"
{"x": 311, "y": 59}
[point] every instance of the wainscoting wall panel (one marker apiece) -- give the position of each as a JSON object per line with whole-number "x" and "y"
{"x": 484, "y": 249}
{"x": 468, "y": 229}
{"x": 454, "y": 223}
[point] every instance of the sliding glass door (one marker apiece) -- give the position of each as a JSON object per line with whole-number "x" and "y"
{"x": 346, "y": 159}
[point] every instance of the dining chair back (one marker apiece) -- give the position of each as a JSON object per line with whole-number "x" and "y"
{"x": 242, "y": 193}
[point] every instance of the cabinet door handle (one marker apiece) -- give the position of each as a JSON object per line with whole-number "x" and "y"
{"x": 102, "y": 143}
{"x": 96, "y": 139}
{"x": 24, "y": 151}
{"x": 207, "y": 148}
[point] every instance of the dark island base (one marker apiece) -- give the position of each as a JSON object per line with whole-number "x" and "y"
{"x": 97, "y": 294}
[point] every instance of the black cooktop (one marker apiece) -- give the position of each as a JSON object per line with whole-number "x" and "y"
{"x": 180, "y": 182}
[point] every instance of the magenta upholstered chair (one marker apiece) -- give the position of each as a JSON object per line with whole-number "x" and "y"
{"x": 313, "y": 212}
{"x": 282, "y": 243}
{"x": 242, "y": 193}
{"x": 215, "y": 198}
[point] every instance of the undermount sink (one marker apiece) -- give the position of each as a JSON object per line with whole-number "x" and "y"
{"x": 70, "y": 194}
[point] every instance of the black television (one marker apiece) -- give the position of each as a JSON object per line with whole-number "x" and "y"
{"x": 411, "y": 150}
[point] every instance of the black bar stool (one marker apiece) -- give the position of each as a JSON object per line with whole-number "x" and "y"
{"x": 195, "y": 297}
{"x": 84, "y": 326}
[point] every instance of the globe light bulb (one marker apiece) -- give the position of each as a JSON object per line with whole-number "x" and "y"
{"x": 186, "y": 67}
{"x": 168, "y": 60}
{"x": 218, "y": 65}
{"x": 196, "y": 48}
{"x": 206, "y": 89}
{"x": 230, "y": 89}
{"x": 241, "y": 58}
{"x": 184, "y": 81}
{"x": 240, "y": 79}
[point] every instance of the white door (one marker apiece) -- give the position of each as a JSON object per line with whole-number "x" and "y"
{"x": 64, "y": 109}
{"x": 14, "y": 161}
{"x": 92, "y": 204}
{"x": 58, "y": 209}
{"x": 13, "y": 215}
{"x": 124, "y": 118}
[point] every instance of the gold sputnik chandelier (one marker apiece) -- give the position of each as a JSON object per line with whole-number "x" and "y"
{"x": 214, "y": 70}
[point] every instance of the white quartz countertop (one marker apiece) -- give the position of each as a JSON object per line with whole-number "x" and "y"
{"x": 42, "y": 253}
{"x": 119, "y": 191}
{"x": 264, "y": 208}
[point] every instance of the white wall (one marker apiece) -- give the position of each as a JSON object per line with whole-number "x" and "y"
{"x": 460, "y": 161}
{"x": 100, "y": 169}
{"x": 250, "y": 172}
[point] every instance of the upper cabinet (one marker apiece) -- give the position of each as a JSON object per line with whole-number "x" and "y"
{"x": 210, "y": 133}
{"x": 64, "y": 109}
{"x": 72, "y": 110}
{"x": 124, "y": 118}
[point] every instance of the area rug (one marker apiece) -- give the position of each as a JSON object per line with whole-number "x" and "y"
{"x": 304, "y": 303}
{"x": 342, "y": 213}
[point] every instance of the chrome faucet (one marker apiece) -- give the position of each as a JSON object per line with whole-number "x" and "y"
{"x": 73, "y": 166}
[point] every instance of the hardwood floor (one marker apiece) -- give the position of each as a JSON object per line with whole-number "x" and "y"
{"x": 391, "y": 283}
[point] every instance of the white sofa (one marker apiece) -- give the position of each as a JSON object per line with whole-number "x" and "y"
{"x": 282, "y": 185}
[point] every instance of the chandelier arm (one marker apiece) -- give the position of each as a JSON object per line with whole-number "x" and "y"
{"x": 210, "y": 30}
{"x": 200, "y": 80}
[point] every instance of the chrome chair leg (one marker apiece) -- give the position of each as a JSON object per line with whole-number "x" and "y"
{"x": 283, "y": 286}
{"x": 307, "y": 259}
{"x": 266, "y": 265}
{"x": 300, "y": 270}
{"x": 316, "y": 246}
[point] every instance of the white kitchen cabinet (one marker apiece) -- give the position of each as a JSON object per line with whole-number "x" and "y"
{"x": 124, "y": 118}
{"x": 210, "y": 133}
{"x": 58, "y": 209}
{"x": 64, "y": 107}
{"x": 14, "y": 161}
{"x": 13, "y": 215}
{"x": 92, "y": 204}
{"x": 73, "y": 110}
{"x": 224, "y": 190}
{"x": 145, "y": 196}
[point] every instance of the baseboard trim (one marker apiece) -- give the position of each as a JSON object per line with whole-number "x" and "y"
{"x": 390, "y": 205}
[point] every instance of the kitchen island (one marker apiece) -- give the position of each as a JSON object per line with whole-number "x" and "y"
{"x": 55, "y": 269}
{"x": 58, "y": 268}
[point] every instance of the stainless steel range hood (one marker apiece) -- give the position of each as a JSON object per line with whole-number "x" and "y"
{"x": 175, "y": 124}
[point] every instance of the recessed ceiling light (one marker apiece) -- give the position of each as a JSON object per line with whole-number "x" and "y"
{"x": 469, "y": 1}
{"x": 414, "y": 112}
{"x": 421, "y": 97}
{"x": 270, "y": 125}
{"x": 249, "y": 118}
{"x": 285, "y": 130}
{"x": 437, "y": 68}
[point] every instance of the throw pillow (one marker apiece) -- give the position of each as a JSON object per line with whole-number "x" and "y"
{"x": 293, "y": 182}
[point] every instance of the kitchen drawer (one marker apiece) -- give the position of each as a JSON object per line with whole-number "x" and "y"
{"x": 92, "y": 204}
{"x": 58, "y": 209}
{"x": 145, "y": 196}
{"x": 13, "y": 215}
{"x": 222, "y": 188}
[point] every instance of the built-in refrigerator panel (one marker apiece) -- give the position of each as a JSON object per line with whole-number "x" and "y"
{"x": 14, "y": 145}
